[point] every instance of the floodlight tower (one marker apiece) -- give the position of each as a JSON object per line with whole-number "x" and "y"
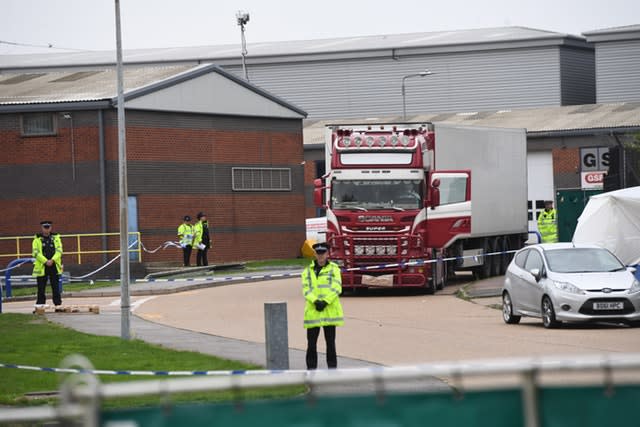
{"x": 242, "y": 18}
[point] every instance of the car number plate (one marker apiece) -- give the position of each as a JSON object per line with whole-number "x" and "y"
{"x": 608, "y": 306}
{"x": 384, "y": 280}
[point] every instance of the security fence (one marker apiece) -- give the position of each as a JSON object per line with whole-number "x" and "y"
{"x": 529, "y": 401}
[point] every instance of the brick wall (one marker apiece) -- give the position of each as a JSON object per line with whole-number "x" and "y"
{"x": 245, "y": 225}
{"x": 566, "y": 167}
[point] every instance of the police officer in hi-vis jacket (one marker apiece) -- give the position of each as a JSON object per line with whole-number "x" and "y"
{"x": 548, "y": 223}
{"x": 321, "y": 288}
{"x": 185, "y": 235}
{"x": 47, "y": 264}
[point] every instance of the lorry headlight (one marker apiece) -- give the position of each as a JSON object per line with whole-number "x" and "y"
{"x": 567, "y": 287}
{"x": 392, "y": 250}
{"x": 635, "y": 287}
{"x": 359, "y": 250}
{"x": 370, "y": 250}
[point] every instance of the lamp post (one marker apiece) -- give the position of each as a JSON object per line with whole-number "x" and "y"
{"x": 125, "y": 307}
{"x": 242, "y": 18}
{"x": 404, "y": 103}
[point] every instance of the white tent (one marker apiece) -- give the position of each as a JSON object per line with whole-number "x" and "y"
{"x": 612, "y": 220}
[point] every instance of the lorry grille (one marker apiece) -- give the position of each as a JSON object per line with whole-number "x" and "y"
{"x": 371, "y": 247}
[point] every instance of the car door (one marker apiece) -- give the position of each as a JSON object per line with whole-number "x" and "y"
{"x": 516, "y": 275}
{"x": 532, "y": 290}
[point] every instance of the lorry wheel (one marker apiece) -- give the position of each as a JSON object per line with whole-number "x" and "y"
{"x": 504, "y": 256}
{"x": 496, "y": 260}
{"x": 486, "y": 267}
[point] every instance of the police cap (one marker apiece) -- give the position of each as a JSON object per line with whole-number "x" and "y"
{"x": 321, "y": 248}
{"x": 46, "y": 223}
{"x": 187, "y": 218}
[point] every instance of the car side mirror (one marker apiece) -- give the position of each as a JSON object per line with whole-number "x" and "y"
{"x": 536, "y": 273}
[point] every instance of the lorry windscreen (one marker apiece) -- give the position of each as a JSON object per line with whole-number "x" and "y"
{"x": 377, "y": 194}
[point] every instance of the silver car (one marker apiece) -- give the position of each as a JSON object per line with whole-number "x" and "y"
{"x": 565, "y": 282}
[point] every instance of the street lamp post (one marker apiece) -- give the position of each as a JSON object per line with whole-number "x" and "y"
{"x": 242, "y": 19}
{"x": 404, "y": 103}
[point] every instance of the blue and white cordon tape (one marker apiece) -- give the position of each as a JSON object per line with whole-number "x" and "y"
{"x": 145, "y": 373}
{"x": 418, "y": 262}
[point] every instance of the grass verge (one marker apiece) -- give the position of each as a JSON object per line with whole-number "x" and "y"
{"x": 278, "y": 263}
{"x": 34, "y": 341}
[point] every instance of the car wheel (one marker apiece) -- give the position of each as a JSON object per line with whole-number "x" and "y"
{"x": 548, "y": 314}
{"x": 507, "y": 310}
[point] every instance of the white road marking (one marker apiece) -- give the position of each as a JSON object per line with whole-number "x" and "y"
{"x": 135, "y": 305}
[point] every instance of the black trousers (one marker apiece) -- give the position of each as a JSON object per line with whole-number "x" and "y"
{"x": 186, "y": 255}
{"x": 201, "y": 257}
{"x": 50, "y": 274}
{"x": 312, "y": 350}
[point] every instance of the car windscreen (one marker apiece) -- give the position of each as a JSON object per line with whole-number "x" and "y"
{"x": 582, "y": 260}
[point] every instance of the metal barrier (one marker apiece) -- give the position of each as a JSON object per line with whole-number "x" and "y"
{"x": 527, "y": 400}
{"x": 72, "y": 241}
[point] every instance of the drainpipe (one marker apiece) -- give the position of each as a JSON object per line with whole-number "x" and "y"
{"x": 103, "y": 184}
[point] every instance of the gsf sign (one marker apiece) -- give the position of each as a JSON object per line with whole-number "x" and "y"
{"x": 594, "y": 159}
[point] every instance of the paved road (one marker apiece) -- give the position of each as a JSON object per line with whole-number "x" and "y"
{"x": 382, "y": 328}
{"x": 386, "y": 329}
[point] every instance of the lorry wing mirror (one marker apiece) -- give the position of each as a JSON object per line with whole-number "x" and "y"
{"x": 318, "y": 193}
{"x": 434, "y": 194}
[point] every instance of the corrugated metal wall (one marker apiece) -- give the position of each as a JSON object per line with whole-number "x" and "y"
{"x": 577, "y": 71}
{"x": 617, "y": 71}
{"x": 463, "y": 81}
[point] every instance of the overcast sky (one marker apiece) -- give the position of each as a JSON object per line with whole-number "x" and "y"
{"x": 90, "y": 24}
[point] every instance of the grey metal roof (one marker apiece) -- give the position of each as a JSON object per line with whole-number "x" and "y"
{"x": 489, "y": 38}
{"x": 548, "y": 121}
{"x": 72, "y": 86}
{"x": 627, "y": 32}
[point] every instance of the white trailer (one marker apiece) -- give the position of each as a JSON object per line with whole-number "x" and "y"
{"x": 497, "y": 159}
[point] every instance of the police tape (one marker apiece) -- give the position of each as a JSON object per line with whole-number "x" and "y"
{"x": 18, "y": 264}
{"x": 144, "y": 373}
{"x": 418, "y": 262}
{"x": 164, "y": 245}
{"x": 413, "y": 263}
{"x": 221, "y": 279}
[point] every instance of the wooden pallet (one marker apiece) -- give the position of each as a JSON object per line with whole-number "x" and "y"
{"x": 68, "y": 309}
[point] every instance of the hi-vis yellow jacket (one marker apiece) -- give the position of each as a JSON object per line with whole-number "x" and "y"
{"x": 327, "y": 286}
{"x": 185, "y": 234}
{"x": 548, "y": 226}
{"x": 40, "y": 259}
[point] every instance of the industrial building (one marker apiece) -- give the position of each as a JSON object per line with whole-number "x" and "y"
{"x": 197, "y": 139}
{"x": 576, "y": 96}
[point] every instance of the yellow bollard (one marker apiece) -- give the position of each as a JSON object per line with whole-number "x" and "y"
{"x": 307, "y": 248}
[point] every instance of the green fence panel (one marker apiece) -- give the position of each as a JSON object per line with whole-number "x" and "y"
{"x": 498, "y": 409}
{"x": 558, "y": 407}
{"x": 590, "y": 406}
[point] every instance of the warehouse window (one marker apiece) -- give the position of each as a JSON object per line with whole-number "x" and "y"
{"x": 261, "y": 179}
{"x": 38, "y": 124}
